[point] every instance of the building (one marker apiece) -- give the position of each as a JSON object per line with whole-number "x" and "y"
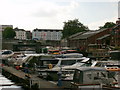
{"x": 115, "y": 35}
{"x": 28, "y": 35}
{"x": 83, "y": 39}
{"x": 5, "y": 26}
{"x": 47, "y": 34}
{"x": 20, "y": 34}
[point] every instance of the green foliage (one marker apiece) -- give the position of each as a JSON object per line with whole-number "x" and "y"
{"x": 107, "y": 25}
{"x": 9, "y": 33}
{"x": 73, "y": 26}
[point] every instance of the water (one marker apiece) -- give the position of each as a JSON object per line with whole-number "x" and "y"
{"x": 6, "y": 84}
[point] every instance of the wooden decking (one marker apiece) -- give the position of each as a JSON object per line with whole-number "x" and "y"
{"x": 42, "y": 83}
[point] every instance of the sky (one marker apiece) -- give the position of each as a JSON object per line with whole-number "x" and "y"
{"x": 50, "y": 14}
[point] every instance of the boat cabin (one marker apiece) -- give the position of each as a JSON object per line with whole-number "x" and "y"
{"x": 94, "y": 77}
{"x": 69, "y": 61}
{"x": 70, "y": 55}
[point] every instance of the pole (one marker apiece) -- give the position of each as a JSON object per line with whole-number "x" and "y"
{"x": 59, "y": 77}
{"x": 30, "y": 82}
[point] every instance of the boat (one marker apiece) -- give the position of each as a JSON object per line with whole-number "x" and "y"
{"x": 54, "y": 52}
{"x": 6, "y": 53}
{"x": 108, "y": 65}
{"x": 63, "y": 64}
{"x": 93, "y": 78}
{"x": 69, "y": 55}
{"x": 19, "y": 58}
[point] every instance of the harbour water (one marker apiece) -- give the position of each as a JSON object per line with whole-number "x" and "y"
{"x": 6, "y": 84}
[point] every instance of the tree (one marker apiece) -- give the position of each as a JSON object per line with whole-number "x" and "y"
{"x": 107, "y": 25}
{"x": 9, "y": 33}
{"x": 73, "y": 26}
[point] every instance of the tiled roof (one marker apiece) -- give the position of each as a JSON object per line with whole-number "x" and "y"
{"x": 19, "y": 29}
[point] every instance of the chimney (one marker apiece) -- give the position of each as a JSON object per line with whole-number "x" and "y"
{"x": 118, "y": 21}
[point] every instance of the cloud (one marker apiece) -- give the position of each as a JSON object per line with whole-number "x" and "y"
{"x": 98, "y": 0}
{"x": 30, "y": 14}
{"x": 50, "y": 9}
{"x": 95, "y": 25}
{"x": 36, "y": 13}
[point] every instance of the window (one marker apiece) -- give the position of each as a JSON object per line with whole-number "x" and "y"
{"x": 96, "y": 76}
{"x": 68, "y": 62}
{"x": 89, "y": 76}
{"x": 76, "y": 76}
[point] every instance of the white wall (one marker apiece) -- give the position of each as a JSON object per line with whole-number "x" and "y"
{"x": 47, "y": 35}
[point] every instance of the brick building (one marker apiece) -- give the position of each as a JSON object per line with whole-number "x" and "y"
{"x": 115, "y": 35}
{"x": 83, "y": 39}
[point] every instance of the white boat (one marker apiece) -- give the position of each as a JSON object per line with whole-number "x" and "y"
{"x": 6, "y": 54}
{"x": 69, "y": 55}
{"x": 23, "y": 58}
{"x": 63, "y": 64}
{"x": 93, "y": 78}
{"x": 108, "y": 65}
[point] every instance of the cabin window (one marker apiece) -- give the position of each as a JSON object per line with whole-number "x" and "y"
{"x": 80, "y": 60}
{"x": 89, "y": 76}
{"x": 68, "y": 62}
{"x": 111, "y": 74}
{"x": 73, "y": 56}
{"x": 96, "y": 76}
{"x": 98, "y": 64}
{"x": 103, "y": 74}
{"x": 45, "y": 63}
{"x": 7, "y": 52}
{"x": 76, "y": 76}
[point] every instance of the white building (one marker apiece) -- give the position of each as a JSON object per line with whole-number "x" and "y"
{"x": 5, "y": 26}
{"x": 20, "y": 34}
{"x": 47, "y": 34}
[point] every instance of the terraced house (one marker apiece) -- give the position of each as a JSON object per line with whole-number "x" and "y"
{"x": 47, "y": 34}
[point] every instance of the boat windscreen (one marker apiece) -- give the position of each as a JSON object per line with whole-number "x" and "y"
{"x": 68, "y": 62}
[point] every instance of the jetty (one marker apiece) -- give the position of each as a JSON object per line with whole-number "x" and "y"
{"x": 20, "y": 78}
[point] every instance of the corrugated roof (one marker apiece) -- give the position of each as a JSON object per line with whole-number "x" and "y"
{"x": 77, "y": 34}
{"x": 107, "y": 35}
{"x": 85, "y": 35}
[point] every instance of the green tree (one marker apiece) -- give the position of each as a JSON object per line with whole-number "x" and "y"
{"x": 73, "y": 26}
{"x": 8, "y": 33}
{"x": 107, "y": 25}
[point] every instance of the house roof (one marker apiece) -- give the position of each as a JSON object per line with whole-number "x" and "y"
{"x": 85, "y": 35}
{"x": 16, "y": 29}
{"x": 75, "y": 35}
{"x": 107, "y": 35}
{"x": 117, "y": 26}
{"x": 47, "y": 29}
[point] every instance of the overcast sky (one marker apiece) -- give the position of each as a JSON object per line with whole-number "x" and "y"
{"x": 50, "y": 14}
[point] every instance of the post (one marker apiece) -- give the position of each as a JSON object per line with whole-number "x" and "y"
{"x": 30, "y": 82}
{"x": 59, "y": 77}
